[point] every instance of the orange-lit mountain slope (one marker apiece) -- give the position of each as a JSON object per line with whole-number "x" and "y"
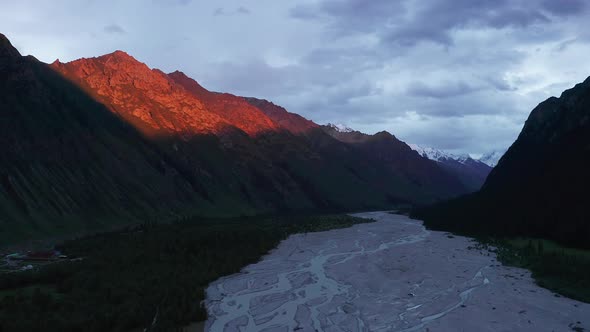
{"x": 233, "y": 109}
{"x": 292, "y": 122}
{"x": 156, "y": 103}
{"x": 103, "y": 141}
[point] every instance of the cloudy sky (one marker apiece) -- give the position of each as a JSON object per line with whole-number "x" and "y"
{"x": 460, "y": 75}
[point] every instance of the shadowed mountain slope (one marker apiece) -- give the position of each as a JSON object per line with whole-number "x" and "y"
{"x": 68, "y": 163}
{"x": 540, "y": 186}
{"x": 471, "y": 172}
{"x": 103, "y": 141}
{"x": 385, "y": 149}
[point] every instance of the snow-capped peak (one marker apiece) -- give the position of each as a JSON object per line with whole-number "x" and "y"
{"x": 491, "y": 159}
{"x": 340, "y": 127}
{"x": 438, "y": 155}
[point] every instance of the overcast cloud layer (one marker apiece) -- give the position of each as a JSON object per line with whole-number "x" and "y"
{"x": 459, "y": 75}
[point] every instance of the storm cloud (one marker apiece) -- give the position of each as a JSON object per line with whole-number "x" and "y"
{"x": 459, "y": 75}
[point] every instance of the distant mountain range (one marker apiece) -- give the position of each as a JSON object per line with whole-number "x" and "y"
{"x": 540, "y": 186}
{"x": 438, "y": 155}
{"x": 100, "y": 142}
{"x": 471, "y": 172}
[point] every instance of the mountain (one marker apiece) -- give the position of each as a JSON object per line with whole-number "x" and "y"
{"x": 345, "y": 134}
{"x": 68, "y": 163}
{"x": 471, "y": 172}
{"x": 540, "y": 186}
{"x": 105, "y": 141}
{"x": 292, "y": 122}
{"x": 233, "y": 109}
{"x": 340, "y": 128}
{"x": 491, "y": 158}
{"x": 417, "y": 173}
{"x": 404, "y": 184}
{"x": 436, "y": 154}
{"x": 156, "y": 103}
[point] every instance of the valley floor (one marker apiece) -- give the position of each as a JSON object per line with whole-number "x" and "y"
{"x": 391, "y": 275}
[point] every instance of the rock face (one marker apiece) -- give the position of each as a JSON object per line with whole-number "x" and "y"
{"x": 233, "y": 109}
{"x": 292, "y": 122}
{"x": 148, "y": 99}
{"x": 540, "y": 186}
{"x": 102, "y": 141}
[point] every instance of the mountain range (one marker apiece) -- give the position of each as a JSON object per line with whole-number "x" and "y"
{"x": 471, "y": 172}
{"x": 540, "y": 186}
{"x": 105, "y": 141}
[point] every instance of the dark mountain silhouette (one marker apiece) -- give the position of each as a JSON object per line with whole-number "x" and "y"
{"x": 103, "y": 141}
{"x": 385, "y": 149}
{"x": 68, "y": 163}
{"x": 471, "y": 172}
{"x": 540, "y": 186}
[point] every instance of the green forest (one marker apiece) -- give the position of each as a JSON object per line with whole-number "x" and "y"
{"x": 565, "y": 271}
{"x": 119, "y": 281}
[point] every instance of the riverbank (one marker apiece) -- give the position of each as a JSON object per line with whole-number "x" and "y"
{"x": 151, "y": 276}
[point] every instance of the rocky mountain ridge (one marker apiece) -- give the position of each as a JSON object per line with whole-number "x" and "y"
{"x": 100, "y": 142}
